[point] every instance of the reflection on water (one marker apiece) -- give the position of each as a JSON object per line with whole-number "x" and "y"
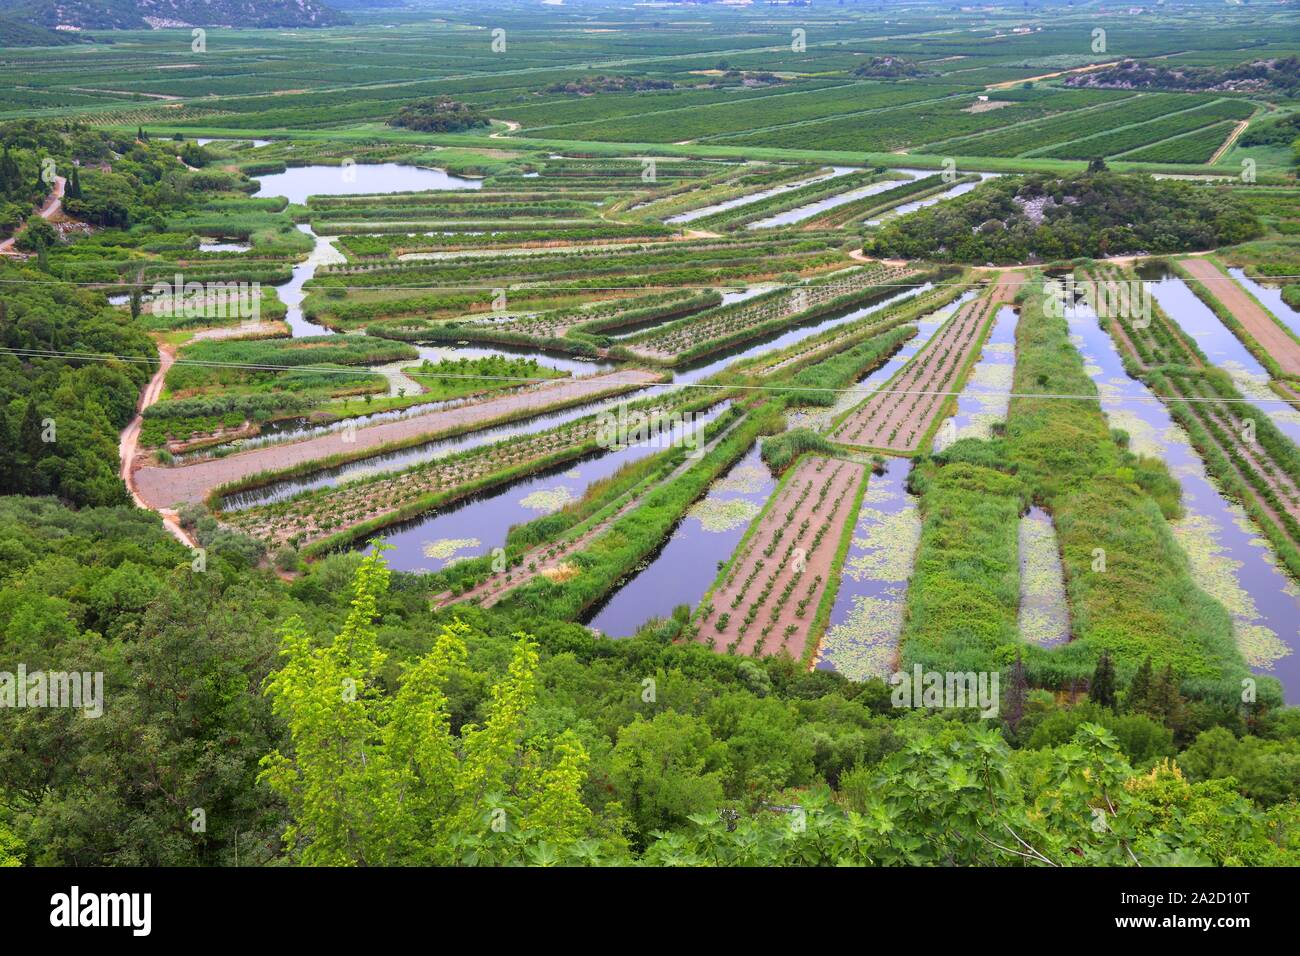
{"x": 407, "y": 457}
{"x": 1228, "y": 557}
{"x": 291, "y": 293}
{"x": 690, "y": 375}
{"x": 926, "y": 326}
{"x": 1271, "y": 298}
{"x": 424, "y": 543}
{"x": 703, "y": 211}
{"x": 774, "y": 342}
{"x": 358, "y": 179}
{"x": 987, "y": 394}
{"x": 683, "y": 567}
{"x": 862, "y": 639}
{"x": 909, "y": 207}
{"x": 1223, "y": 349}
{"x": 800, "y": 213}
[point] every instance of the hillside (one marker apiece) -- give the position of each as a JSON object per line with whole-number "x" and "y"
{"x": 1256, "y": 76}
{"x": 144, "y": 14}
{"x": 19, "y": 33}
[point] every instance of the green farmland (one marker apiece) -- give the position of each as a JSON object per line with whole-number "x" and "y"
{"x": 514, "y": 433}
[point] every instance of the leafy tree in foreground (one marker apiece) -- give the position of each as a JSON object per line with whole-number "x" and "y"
{"x": 375, "y": 779}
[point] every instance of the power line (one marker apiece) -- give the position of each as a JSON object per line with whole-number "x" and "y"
{"x": 772, "y": 287}
{"x": 611, "y": 378}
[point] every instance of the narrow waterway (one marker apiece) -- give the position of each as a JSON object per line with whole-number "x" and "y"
{"x": 474, "y": 526}
{"x": 396, "y": 461}
{"x": 1271, "y": 298}
{"x": 407, "y": 457}
{"x": 292, "y": 292}
{"x": 299, "y": 182}
{"x": 800, "y": 213}
{"x": 910, "y": 207}
{"x": 1044, "y": 617}
{"x": 1220, "y": 346}
{"x": 821, "y": 419}
{"x": 861, "y": 640}
{"x": 984, "y": 400}
{"x": 681, "y": 569}
{"x": 682, "y": 218}
{"x": 367, "y": 179}
{"x": 1229, "y": 559}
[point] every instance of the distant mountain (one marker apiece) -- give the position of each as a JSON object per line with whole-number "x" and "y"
{"x": 70, "y": 15}
{"x": 367, "y": 4}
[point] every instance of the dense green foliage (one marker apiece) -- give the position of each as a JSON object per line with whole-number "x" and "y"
{"x": 462, "y": 742}
{"x": 441, "y": 115}
{"x": 59, "y": 415}
{"x": 1046, "y": 218}
{"x": 321, "y": 709}
{"x": 1257, "y": 76}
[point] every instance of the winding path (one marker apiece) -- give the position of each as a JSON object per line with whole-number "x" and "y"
{"x": 129, "y": 443}
{"x": 52, "y": 207}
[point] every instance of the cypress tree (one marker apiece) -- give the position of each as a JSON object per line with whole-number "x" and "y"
{"x": 1139, "y": 689}
{"x": 1102, "y": 689}
{"x": 7, "y": 168}
{"x": 1168, "y": 701}
{"x": 1016, "y": 694}
{"x": 30, "y": 445}
{"x": 8, "y": 463}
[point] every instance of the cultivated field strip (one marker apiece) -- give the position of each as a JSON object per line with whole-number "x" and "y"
{"x": 375, "y": 501}
{"x": 768, "y": 600}
{"x": 1241, "y": 448}
{"x": 732, "y": 323}
{"x": 1258, "y": 330}
{"x": 163, "y": 487}
{"x": 899, "y": 417}
{"x": 553, "y": 559}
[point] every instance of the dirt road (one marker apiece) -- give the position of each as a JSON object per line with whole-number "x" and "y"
{"x": 129, "y": 444}
{"x": 1261, "y": 326}
{"x": 1050, "y": 76}
{"x": 1227, "y": 145}
{"x": 52, "y": 207}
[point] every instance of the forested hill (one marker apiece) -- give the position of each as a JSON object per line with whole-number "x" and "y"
{"x": 143, "y": 14}
{"x": 16, "y": 33}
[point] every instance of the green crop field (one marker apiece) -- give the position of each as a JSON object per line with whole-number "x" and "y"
{"x": 564, "y": 433}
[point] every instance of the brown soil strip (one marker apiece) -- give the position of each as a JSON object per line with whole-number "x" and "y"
{"x": 162, "y": 487}
{"x": 1272, "y": 338}
{"x": 808, "y": 514}
{"x": 129, "y": 443}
